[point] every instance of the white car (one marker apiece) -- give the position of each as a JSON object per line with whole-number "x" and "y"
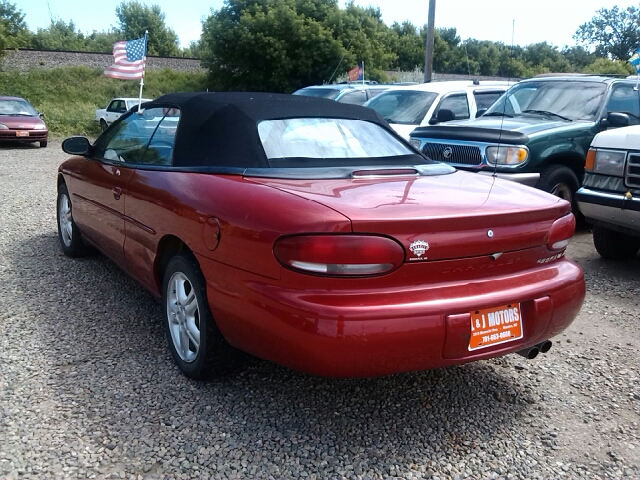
{"x": 610, "y": 195}
{"x": 408, "y": 107}
{"x": 116, "y": 107}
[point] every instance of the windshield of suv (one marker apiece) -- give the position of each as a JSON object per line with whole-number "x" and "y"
{"x": 405, "y": 107}
{"x": 329, "y": 93}
{"x": 558, "y": 99}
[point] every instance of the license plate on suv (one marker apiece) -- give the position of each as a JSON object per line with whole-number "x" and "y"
{"x": 493, "y": 326}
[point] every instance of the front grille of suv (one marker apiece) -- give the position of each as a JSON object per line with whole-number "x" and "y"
{"x": 461, "y": 154}
{"x": 632, "y": 176}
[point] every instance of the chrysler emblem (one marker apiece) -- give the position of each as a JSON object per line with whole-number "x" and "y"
{"x": 446, "y": 153}
{"x": 419, "y": 247}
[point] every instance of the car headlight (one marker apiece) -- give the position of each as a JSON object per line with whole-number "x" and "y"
{"x": 609, "y": 162}
{"x": 504, "y": 155}
{"x": 3, "y": 127}
{"x": 415, "y": 143}
{"x": 39, "y": 126}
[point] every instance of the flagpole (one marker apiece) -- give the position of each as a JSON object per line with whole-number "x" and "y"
{"x": 143, "y": 69}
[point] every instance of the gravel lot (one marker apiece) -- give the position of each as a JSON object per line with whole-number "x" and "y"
{"x": 88, "y": 388}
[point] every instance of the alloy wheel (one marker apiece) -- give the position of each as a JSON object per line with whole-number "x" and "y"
{"x": 183, "y": 317}
{"x": 65, "y": 219}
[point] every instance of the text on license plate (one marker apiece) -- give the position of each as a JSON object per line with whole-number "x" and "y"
{"x": 22, "y": 133}
{"x": 492, "y": 326}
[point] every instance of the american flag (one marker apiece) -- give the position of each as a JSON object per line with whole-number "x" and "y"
{"x": 129, "y": 60}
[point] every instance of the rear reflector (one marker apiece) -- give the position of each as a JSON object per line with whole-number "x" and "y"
{"x": 339, "y": 255}
{"x": 561, "y": 232}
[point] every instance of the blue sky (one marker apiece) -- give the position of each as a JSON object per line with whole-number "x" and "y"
{"x": 554, "y": 21}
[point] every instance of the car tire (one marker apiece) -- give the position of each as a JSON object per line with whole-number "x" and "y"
{"x": 103, "y": 124}
{"x": 614, "y": 245}
{"x": 68, "y": 232}
{"x": 43, "y": 144}
{"x": 195, "y": 342}
{"x": 560, "y": 181}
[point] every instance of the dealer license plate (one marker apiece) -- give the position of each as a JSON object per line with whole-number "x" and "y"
{"x": 22, "y": 133}
{"x": 493, "y": 326}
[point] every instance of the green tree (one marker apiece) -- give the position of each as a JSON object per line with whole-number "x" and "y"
{"x": 578, "y": 57}
{"x": 542, "y": 57}
{"x": 59, "y": 35}
{"x": 134, "y": 18}
{"x": 101, "y": 41}
{"x": 606, "y": 66}
{"x": 611, "y": 32}
{"x": 15, "y": 31}
{"x": 408, "y": 47}
{"x": 268, "y": 45}
{"x": 370, "y": 38}
{"x": 3, "y": 42}
{"x": 194, "y": 50}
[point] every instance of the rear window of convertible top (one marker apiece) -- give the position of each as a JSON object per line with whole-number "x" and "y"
{"x": 297, "y": 139}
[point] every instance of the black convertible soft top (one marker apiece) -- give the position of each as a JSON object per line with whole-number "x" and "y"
{"x": 224, "y": 125}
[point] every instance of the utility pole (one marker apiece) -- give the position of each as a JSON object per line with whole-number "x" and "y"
{"x": 428, "y": 51}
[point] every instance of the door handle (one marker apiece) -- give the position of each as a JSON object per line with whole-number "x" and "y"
{"x": 117, "y": 191}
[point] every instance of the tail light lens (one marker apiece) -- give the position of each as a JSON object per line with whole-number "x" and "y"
{"x": 561, "y": 232}
{"x": 339, "y": 255}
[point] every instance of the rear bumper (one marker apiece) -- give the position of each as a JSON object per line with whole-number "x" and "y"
{"x": 363, "y": 334}
{"x": 609, "y": 209}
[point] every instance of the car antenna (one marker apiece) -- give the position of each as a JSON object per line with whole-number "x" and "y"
{"x": 343, "y": 55}
{"x": 504, "y": 106}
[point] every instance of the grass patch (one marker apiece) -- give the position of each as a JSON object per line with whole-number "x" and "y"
{"x": 69, "y": 96}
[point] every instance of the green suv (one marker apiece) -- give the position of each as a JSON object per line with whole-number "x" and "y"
{"x": 538, "y": 133}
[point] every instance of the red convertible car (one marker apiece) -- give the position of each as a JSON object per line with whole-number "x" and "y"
{"x": 306, "y": 232}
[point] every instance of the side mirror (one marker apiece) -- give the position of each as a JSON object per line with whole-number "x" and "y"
{"x": 616, "y": 119}
{"x": 481, "y": 112}
{"x": 41, "y": 114}
{"x": 445, "y": 115}
{"x": 76, "y": 146}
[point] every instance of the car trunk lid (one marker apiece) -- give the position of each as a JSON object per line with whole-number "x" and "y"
{"x": 438, "y": 217}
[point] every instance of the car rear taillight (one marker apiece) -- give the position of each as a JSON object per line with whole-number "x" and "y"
{"x": 339, "y": 255}
{"x": 561, "y": 232}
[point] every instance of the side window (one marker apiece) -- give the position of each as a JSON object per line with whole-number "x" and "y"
{"x": 113, "y": 106}
{"x": 624, "y": 99}
{"x": 143, "y": 139}
{"x": 458, "y": 104}
{"x": 374, "y": 92}
{"x": 486, "y": 99}
{"x": 357, "y": 97}
{"x": 160, "y": 148}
